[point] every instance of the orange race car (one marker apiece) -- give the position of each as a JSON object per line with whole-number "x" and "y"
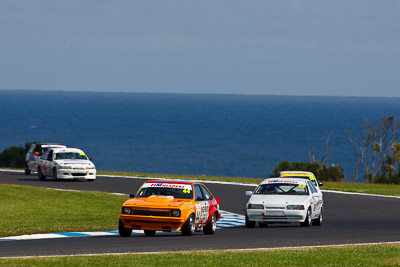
{"x": 168, "y": 206}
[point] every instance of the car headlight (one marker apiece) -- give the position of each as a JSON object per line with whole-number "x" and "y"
{"x": 126, "y": 210}
{"x": 175, "y": 213}
{"x": 295, "y": 207}
{"x": 90, "y": 167}
{"x": 64, "y": 167}
{"x": 255, "y": 206}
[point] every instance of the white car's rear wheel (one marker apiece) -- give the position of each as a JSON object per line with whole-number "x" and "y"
{"x": 318, "y": 221}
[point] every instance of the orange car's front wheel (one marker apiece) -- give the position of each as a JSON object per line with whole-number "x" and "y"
{"x": 125, "y": 232}
{"x": 188, "y": 227}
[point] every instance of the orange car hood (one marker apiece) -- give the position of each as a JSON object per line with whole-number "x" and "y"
{"x": 165, "y": 201}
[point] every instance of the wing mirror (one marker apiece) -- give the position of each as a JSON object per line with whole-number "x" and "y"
{"x": 131, "y": 195}
{"x": 249, "y": 193}
{"x": 320, "y": 184}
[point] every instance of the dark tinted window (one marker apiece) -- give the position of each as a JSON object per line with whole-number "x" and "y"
{"x": 198, "y": 195}
{"x": 206, "y": 194}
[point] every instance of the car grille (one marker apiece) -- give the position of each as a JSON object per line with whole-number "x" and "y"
{"x": 78, "y": 174}
{"x": 162, "y": 213}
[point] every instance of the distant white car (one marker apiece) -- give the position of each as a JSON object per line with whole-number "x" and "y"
{"x": 33, "y": 155}
{"x": 303, "y": 175}
{"x": 281, "y": 200}
{"x": 66, "y": 163}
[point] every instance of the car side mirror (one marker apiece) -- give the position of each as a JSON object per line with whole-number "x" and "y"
{"x": 131, "y": 195}
{"x": 320, "y": 184}
{"x": 249, "y": 193}
{"x": 199, "y": 198}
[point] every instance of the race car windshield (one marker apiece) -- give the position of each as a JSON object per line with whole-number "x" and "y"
{"x": 161, "y": 191}
{"x": 281, "y": 189}
{"x": 302, "y": 177}
{"x": 70, "y": 155}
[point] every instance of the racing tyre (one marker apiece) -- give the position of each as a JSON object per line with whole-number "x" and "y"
{"x": 149, "y": 232}
{"x": 211, "y": 226}
{"x": 188, "y": 227}
{"x": 307, "y": 221}
{"x": 318, "y": 221}
{"x": 27, "y": 170}
{"x": 41, "y": 176}
{"x": 54, "y": 174}
{"x": 124, "y": 232}
{"x": 250, "y": 224}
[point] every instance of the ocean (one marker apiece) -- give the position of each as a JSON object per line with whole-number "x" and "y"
{"x": 190, "y": 134}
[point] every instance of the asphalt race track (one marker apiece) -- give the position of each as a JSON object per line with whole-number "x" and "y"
{"x": 348, "y": 219}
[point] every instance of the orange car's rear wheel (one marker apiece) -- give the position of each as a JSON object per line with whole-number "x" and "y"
{"x": 210, "y": 228}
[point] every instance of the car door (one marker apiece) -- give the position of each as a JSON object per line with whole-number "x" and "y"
{"x": 316, "y": 200}
{"x": 46, "y": 161}
{"x": 202, "y": 206}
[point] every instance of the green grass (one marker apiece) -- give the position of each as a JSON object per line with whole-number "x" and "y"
{"x": 380, "y": 189}
{"x": 372, "y": 255}
{"x": 28, "y": 210}
{"x": 186, "y": 177}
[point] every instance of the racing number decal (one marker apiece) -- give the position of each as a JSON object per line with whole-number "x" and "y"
{"x": 202, "y": 212}
{"x": 205, "y": 211}
{"x": 198, "y": 212}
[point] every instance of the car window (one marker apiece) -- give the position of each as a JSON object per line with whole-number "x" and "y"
{"x": 312, "y": 187}
{"x": 70, "y": 155}
{"x": 281, "y": 189}
{"x": 44, "y": 156}
{"x": 300, "y": 177}
{"x": 31, "y": 149}
{"x": 165, "y": 191}
{"x": 205, "y": 192}
{"x": 38, "y": 148}
{"x": 198, "y": 195}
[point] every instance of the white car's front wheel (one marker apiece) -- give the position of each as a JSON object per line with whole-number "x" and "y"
{"x": 41, "y": 176}
{"x": 307, "y": 221}
{"x": 250, "y": 224}
{"x": 54, "y": 173}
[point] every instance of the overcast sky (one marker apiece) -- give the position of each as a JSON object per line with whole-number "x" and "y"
{"x": 341, "y": 48}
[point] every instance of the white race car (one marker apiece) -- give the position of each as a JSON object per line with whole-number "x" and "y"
{"x": 66, "y": 163}
{"x": 281, "y": 200}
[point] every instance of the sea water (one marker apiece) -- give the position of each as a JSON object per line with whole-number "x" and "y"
{"x": 193, "y": 134}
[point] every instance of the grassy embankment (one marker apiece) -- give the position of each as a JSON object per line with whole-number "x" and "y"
{"x": 376, "y": 255}
{"x": 380, "y": 189}
{"x": 30, "y": 210}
